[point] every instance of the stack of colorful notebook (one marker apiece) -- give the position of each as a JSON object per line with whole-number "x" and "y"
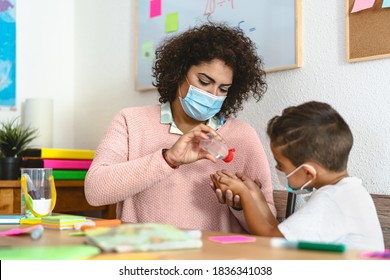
{"x": 62, "y": 222}
{"x": 67, "y": 164}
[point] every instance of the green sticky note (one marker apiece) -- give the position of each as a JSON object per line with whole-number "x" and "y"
{"x": 147, "y": 50}
{"x": 69, "y": 252}
{"x": 172, "y": 22}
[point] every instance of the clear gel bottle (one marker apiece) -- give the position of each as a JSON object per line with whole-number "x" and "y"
{"x": 217, "y": 148}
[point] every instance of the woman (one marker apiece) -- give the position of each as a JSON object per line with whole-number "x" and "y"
{"x": 149, "y": 162}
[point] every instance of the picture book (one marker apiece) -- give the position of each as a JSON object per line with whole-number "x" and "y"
{"x": 56, "y": 163}
{"x": 55, "y": 153}
{"x": 62, "y": 222}
{"x": 143, "y": 237}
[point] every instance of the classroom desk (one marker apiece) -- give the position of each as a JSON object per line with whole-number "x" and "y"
{"x": 258, "y": 250}
{"x": 70, "y": 199}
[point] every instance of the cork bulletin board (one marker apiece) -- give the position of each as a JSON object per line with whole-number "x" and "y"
{"x": 368, "y": 32}
{"x": 274, "y": 26}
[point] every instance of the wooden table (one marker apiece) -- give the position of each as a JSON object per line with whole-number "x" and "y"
{"x": 258, "y": 250}
{"x": 70, "y": 199}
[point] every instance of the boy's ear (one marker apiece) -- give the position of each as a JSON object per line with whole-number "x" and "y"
{"x": 310, "y": 170}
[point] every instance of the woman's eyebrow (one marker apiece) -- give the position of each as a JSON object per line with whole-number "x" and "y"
{"x": 211, "y": 79}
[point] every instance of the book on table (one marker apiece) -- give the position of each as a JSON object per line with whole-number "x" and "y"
{"x": 69, "y": 174}
{"x": 143, "y": 237}
{"x": 66, "y": 164}
{"x": 56, "y": 153}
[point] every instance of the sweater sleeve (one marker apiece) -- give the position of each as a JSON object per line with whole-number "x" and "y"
{"x": 116, "y": 174}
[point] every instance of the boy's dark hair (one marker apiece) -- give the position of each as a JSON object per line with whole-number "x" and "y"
{"x": 204, "y": 43}
{"x": 312, "y": 131}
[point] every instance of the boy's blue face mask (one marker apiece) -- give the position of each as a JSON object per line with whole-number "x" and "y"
{"x": 283, "y": 179}
{"x": 201, "y": 105}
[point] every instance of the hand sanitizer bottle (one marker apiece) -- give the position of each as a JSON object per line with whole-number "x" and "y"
{"x": 217, "y": 148}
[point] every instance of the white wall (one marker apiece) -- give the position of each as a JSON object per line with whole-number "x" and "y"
{"x": 84, "y": 60}
{"x": 104, "y": 66}
{"x": 359, "y": 91}
{"x": 44, "y": 54}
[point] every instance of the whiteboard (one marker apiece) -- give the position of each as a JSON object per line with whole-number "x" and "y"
{"x": 274, "y": 26}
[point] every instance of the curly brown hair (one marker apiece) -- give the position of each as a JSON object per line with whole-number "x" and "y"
{"x": 177, "y": 54}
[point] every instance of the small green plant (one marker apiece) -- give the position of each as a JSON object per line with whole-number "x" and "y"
{"x": 14, "y": 138}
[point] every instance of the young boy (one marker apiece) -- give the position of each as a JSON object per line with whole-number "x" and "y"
{"x": 311, "y": 144}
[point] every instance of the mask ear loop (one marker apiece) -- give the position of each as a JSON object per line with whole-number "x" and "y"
{"x": 29, "y": 200}
{"x": 299, "y": 167}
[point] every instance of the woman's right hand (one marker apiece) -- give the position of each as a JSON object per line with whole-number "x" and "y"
{"x": 234, "y": 201}
{"x": 187, "y": 149}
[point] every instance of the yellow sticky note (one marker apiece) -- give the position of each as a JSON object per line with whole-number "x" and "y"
{"x": 30, "y": 221}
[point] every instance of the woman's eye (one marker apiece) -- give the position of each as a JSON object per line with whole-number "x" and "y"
{"x": 203, "y": 83}
{"x": 224, "y": 90}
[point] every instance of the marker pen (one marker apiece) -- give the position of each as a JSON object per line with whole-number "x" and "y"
{"x": 97, "y": 223}
{"x": 304, "y": 245}
{"x": 37, "y": 232}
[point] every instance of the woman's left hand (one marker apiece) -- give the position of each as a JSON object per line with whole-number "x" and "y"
{"x": 228, "y": 198}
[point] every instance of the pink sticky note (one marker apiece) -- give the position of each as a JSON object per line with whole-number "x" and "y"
{"x": 155, "y": 8}
{"x": 18, "y": 231}
{"x": 362, "y": 5}
{"x": 232, "y": 239}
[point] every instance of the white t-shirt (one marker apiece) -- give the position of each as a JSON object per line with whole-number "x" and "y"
{"x": 342, "y": 213}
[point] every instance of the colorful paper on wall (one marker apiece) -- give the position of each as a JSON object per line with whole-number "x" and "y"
{"x": 172, "y": 22}
{"x": 147, "y": 52}
{"x": 7, "y": 55}
{"x": 360, "y": 5}
{"x": 155, "y": 8}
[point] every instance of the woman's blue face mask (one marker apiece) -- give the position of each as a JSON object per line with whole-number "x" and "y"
{"x": 201, "y": 105}
{"x": 283, "y": 179}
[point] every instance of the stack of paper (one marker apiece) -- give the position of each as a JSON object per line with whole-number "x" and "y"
{"x": 143, "y": 237}
{"x": 62, "y": 222}
{"x": 10, "y": 219}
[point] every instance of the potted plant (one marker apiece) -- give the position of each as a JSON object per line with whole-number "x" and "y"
{"x": 14, "y": 138}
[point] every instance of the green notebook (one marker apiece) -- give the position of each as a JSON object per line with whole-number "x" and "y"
{"x": 68, "y": 252}
{"x": 69, "y": 174}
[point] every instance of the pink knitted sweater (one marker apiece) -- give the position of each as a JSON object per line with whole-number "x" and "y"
{"x": 128, "y": 169}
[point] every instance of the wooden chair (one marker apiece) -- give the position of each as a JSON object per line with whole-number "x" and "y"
{"x": 382, "y": 204}
{"x": 285, "y": 205}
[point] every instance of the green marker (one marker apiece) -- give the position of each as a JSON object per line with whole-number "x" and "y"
{"x": 304, "y": 245}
